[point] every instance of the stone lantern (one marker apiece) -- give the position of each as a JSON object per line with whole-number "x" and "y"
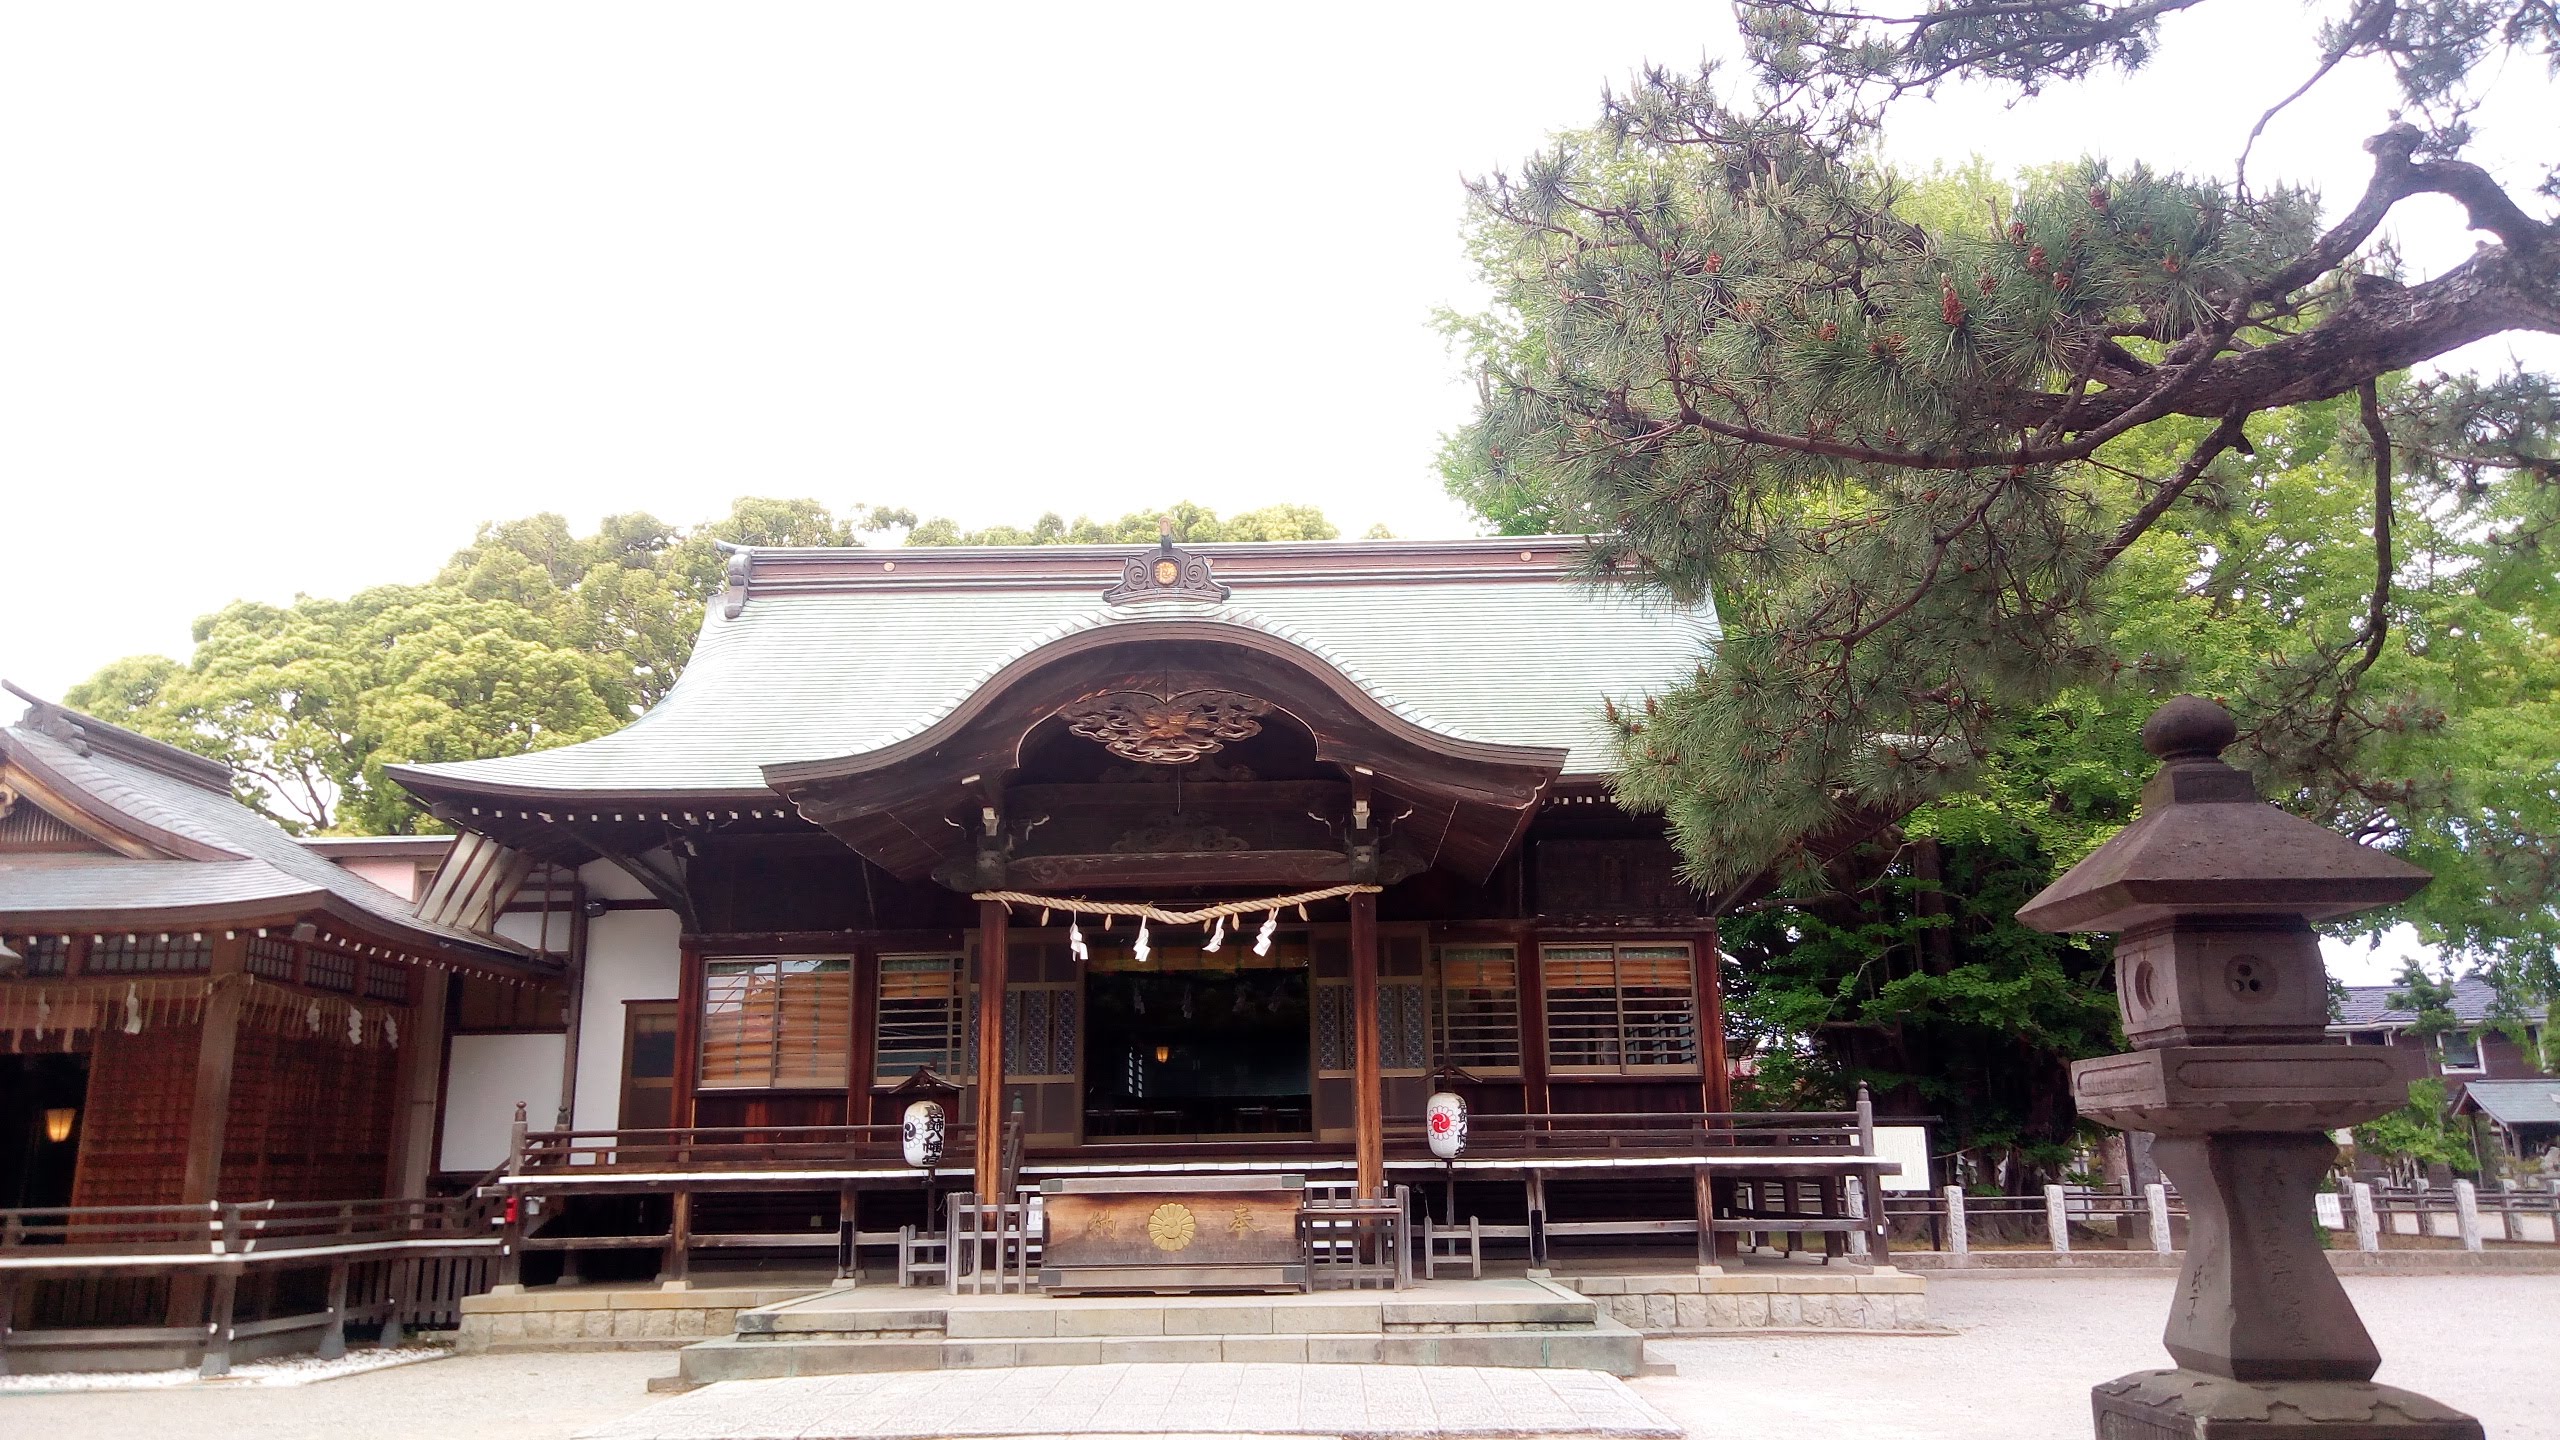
{"x": 2223, "y": 994}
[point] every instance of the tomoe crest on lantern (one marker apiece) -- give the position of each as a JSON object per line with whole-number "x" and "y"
{"x": 921, "y": 1134}
{"x": 1444, "y": 1122}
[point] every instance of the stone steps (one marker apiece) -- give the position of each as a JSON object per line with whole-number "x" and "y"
{"x": 1607, "y": 1346}
{"x": 1507, "y": 1324}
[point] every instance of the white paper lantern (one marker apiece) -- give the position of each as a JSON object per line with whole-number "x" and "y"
{"x": 922, "y": 1132}
{"x": 1444, "y": 1121}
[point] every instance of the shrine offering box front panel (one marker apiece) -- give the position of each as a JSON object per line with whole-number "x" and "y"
{"x": 1172, "y": 1234}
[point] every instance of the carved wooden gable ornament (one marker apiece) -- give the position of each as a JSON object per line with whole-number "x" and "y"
{"x": 1167, "y": 572}
{"x": 1165, "y": 730}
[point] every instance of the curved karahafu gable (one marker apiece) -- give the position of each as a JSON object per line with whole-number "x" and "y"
{"x": 840, "y": 652}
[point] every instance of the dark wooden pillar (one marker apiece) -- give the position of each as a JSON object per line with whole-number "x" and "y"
{"x": 862, "y": 1046}
{"x": 1714, "y": 1070}
{"x": 1369, "y": 1133}
{"x": 689, "y": 1002}
{"x": 1535, "y": 1097}
{"x": 209, "y": 1119}
{"x": 992, "y": 947}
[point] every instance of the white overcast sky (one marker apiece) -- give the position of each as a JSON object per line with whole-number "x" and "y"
{"x": 293, "y": 297}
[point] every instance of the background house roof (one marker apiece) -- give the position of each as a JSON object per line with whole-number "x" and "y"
{"x": 231, "y": 856}
{"x": 2516, "y": 1102}
{"x": 833, "y": 653}
{"x": 2370, "y": 1005}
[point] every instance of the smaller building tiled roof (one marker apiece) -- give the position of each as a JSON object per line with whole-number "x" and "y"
{"x": 214, "y": 853}
{"x": 2515, "y": 1102}
{"x": 2370, "y": 1007}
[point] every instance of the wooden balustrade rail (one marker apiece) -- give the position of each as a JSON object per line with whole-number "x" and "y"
{"x": 731, "y": 1147}
{"x": 1744, "y": 1133}
{"x": 399, "y": 1262}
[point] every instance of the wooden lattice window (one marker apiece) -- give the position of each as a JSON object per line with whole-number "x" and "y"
{"x": 43, "y": 954}
{"x": 270, "y": 957}
{"x": 777, "y": 1024}
{"x": 384, "y": 980}
{"x": 923, "y": 1016}
{"x": 1403, "y": 1027}
{"x": 1040, "y": 1030}
{"x": 1475, "y": 1020}
{"x": 147, "y": 954}
{"x": 330, "y": 970}
{"x": 1615, "y": 1009}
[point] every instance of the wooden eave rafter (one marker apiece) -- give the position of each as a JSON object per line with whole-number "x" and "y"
{"x": 894, "y": 804}
{"x": 330, "y": 912}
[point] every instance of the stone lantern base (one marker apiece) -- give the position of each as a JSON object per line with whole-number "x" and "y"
{"x": 2191, "y": 1405}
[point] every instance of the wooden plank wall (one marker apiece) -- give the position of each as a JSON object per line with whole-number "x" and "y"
{"x": 311, "y": 1118}
{"x": 133, "y": 1137}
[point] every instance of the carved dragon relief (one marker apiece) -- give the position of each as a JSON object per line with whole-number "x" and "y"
{"x": 1162, "y": 729}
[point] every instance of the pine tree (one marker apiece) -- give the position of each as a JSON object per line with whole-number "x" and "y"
{"x": 1905, "y": 449}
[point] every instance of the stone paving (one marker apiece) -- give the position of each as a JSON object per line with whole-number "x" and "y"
{"x": 1391, "y": 1402}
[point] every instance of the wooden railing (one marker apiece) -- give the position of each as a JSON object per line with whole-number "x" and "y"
{"x": 741, "y": 1148}
{"x": 1744, "y": 1133}
{"x": 402, "y": 1263}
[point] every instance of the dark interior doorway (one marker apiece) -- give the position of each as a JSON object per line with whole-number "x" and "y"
{"x": 1196, "y": 1052}
{"x": 40, "y": 1094}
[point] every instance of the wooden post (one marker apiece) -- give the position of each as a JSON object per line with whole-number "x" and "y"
{"x": 992, "y": 947}
{"x": 209, "y": 1113}
{"x": 210, "y": 1117}
{"x": 848, "y": 1249}
{"x": 1705, "y": 1177}
{"x": 575, "y": 1002}
{"x": 862, "y": 1058}
{"x": 676, "y": 1267}
{"x": 220, "y": 1330}
{"x": 1713, "y": 1064}
{"x": 333, "y": 1340}
{"x": 399, "y": 1282}
{"x": 1530, "y": 971}
{"x": 690, "y": 980}
{"x": 1368, "y": 1125}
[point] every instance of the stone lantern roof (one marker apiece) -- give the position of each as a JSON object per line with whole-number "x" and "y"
{"x": 2206, "y": 844}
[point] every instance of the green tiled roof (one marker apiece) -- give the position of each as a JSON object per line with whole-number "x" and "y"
{"x": 809, "y": 673}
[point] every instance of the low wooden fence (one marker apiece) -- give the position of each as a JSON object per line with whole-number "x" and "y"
{"x": 148, "y": 1279}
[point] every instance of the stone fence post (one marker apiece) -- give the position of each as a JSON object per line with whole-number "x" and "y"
{"x": 2368, "y": 1224}
{"x": 2466, "y": 1213}
{"x": 2057, "y": 1218}
{"x": 2156, "y": 1196}
{"x": 1958, "y": 1243}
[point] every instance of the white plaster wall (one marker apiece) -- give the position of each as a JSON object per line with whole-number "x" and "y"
{"x": 525, "y": 927}
{"x": 631, "y": 955}
{"x": 486, "y": 1076}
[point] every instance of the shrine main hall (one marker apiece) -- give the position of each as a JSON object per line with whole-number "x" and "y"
{"x": 1368, "y": 782}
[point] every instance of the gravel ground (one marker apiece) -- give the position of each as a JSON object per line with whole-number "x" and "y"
{"x": 2027, "y": 1350}
{"x": 2029, "y": 1347}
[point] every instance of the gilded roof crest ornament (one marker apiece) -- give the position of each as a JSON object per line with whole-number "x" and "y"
{"x": 1167, "y": 572}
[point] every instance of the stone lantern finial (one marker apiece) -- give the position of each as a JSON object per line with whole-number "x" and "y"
{"x": 2211, "y": 893}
